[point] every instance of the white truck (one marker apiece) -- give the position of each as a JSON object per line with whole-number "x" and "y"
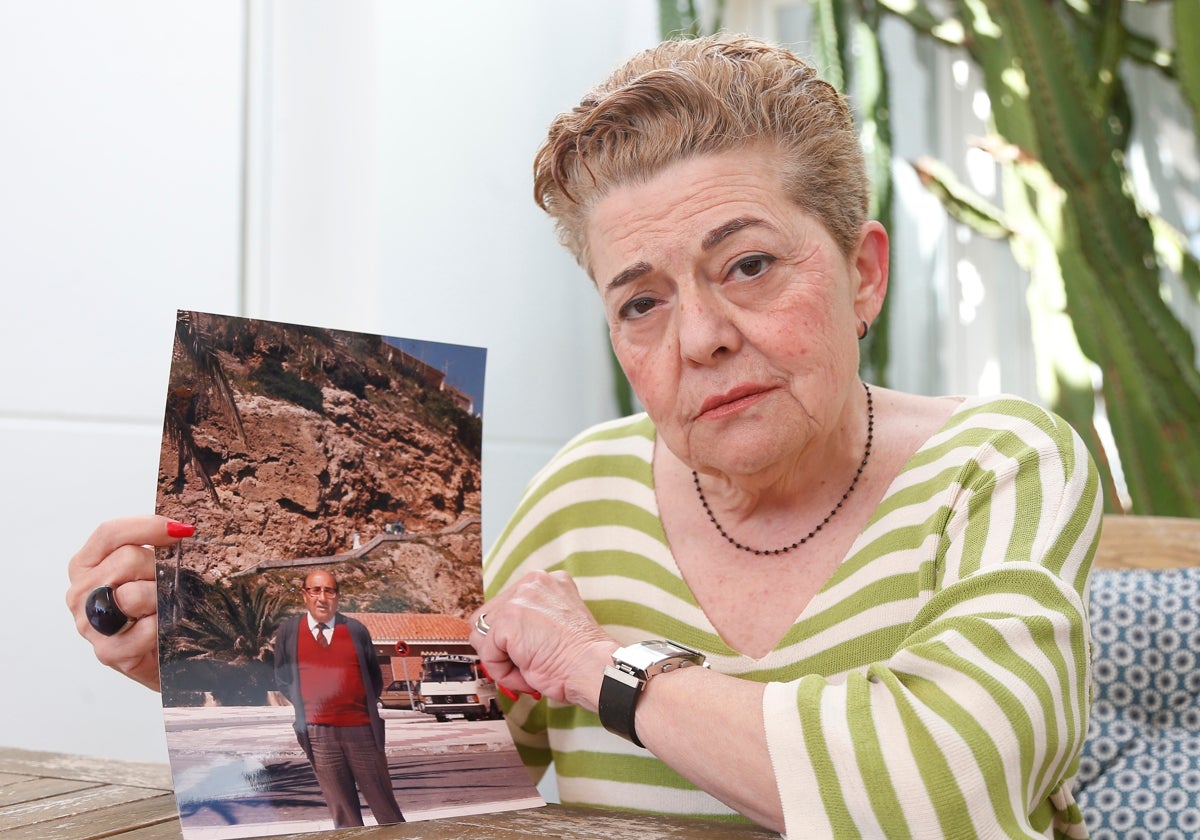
{"x": 454, "y": 685}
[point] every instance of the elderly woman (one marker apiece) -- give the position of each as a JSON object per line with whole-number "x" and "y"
{"x": 780, "y": 593}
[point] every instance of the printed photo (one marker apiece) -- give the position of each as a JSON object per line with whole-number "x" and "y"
{"x": 316, "y": 672}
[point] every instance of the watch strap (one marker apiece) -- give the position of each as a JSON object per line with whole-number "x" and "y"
{"x": 618, "y": 702}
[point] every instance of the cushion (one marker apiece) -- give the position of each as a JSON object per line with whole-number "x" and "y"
{"x": 1139, "y": 773}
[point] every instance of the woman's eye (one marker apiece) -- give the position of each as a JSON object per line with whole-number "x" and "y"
{"x": 752, "y": 266}
{"x": 637, "y": 307}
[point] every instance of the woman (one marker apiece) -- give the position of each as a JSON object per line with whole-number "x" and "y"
{"x": 873, "y": 599}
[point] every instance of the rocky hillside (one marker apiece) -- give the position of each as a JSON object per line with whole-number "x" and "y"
{"x": 284, "y": 443}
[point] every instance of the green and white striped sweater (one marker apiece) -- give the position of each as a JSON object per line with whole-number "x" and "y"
{"x": 937, "y": 685}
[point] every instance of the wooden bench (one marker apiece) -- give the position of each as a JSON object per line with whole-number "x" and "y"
{"x": 1148, "y": 542}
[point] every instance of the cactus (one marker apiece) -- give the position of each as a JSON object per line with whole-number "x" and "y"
{"x": 1061, "y": 119}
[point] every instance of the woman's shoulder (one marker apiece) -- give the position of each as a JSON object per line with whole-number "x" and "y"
{"x": 991, "y": 432}
{"x": 1010, "y": 424}
{"x": 607, "y": 465}
{"x": 914, "y": 423}
{"x": 995, "y": 407}
{"x": 1004, "y": 444}
{"x": 635, "y": 426}
{"x": 985, "y": 418}
{"x": 625, "y": 439}
{"x": 620, "y": 449}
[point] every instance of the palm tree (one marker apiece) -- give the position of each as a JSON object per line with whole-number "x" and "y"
{"x": 195, "y": 350}
{"x": 227, "y": 640}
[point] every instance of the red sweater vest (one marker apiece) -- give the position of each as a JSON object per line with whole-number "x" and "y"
{"x": 331, "y": 684}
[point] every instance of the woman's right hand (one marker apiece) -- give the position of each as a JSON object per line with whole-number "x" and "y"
{"x": 119, "y": 554}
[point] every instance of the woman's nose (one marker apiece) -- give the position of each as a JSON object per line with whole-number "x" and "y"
{"x": 706, "y": 332}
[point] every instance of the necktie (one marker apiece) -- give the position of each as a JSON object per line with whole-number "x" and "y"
{"x": 321, "y": 638}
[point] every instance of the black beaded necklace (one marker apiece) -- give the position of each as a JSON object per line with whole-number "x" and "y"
{"x": 853, "y": 483}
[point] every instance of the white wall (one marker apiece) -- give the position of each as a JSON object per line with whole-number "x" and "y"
{"x": 377, "y": 179}
{"x": 119, "y": 161}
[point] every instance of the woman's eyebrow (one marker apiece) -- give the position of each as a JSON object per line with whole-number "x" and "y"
{"x": 638, "y": 269}
{"x": 711, "y": 239}
{"x": 715, "y": 236}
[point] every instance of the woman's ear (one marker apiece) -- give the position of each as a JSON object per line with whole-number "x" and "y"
{"x": 871, "y": 261}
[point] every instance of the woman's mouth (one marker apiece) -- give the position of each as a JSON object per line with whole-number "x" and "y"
{"x": 732, "y": 402}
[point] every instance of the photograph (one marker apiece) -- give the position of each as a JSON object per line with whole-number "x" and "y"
{"x": 313, "y": 641}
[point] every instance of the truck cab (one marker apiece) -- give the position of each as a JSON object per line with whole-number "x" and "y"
{"x": 454, "y": 685}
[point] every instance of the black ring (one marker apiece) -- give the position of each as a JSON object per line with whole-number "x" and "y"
{"x": 103, "y": 612}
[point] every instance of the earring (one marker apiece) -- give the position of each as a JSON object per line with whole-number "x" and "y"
{"x": 863, "y": 329}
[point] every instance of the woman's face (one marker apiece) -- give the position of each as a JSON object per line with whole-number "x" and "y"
{"x": 732, "y": 311}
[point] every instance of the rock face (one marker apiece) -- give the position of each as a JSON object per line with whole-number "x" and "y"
{"x": 337, "y": 438}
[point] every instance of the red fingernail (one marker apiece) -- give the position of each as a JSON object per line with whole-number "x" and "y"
{"x": 536, "y": 695}
{"x": 508, "y": 692}
{"x": 180, "y": 529}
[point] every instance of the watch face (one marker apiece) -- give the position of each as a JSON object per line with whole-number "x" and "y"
{"x": 645, "y": 655}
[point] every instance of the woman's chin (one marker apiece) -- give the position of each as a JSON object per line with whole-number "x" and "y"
{"x": 735, "y": 459}
{"x": 747, "y": 447}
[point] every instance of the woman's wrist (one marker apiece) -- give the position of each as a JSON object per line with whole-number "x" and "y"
{"x": 583, "y": 686}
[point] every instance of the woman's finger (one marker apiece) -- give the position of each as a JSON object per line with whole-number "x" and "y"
{"x": 124, "y": 564}
{"x": 133, "y": 652}
{"x": 131, "y": 530}
{"x": 117, "y": 553}
{"x": 137, "y": 599}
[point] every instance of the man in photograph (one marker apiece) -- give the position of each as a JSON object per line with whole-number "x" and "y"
{"x": 326, "y": 666}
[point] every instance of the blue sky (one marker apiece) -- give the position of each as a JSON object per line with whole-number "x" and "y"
{"x": 463, "y": 365}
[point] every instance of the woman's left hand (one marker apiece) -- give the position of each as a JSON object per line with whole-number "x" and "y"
{"x": 119, "y": 556}
{"x": 541, "y": 639}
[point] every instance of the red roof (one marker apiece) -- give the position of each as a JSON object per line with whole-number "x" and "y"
{"x": 388, "y": 628}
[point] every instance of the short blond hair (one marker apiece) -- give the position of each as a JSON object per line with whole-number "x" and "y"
{"x": 683, "y": 99}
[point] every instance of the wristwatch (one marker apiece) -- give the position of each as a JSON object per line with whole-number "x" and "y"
{"x": 625, "y": 680}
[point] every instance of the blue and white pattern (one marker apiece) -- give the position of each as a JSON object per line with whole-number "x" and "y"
{"x": 1139, "y": 774}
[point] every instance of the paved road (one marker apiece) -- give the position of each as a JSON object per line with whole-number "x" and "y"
{"x": 239, "y": 772}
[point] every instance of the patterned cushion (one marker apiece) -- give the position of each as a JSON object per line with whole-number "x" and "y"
{"x": 1139, "y": 775}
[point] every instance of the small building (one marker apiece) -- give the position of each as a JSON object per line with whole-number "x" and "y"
{"x": 401, "y": 639}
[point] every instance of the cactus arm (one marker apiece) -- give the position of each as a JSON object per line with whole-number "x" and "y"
{"x": 961, "y": 202}
{"x": 1173, "y": 253}
{"x": 1111, "y": 49}
{"x": 827, "y": 43}
{"x": 1137, "y": 47}
{"x": 948, "y": 30}
{"x": 1187, "y": 53}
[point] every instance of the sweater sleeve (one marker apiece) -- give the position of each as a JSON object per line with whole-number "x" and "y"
{"x": 526, "y": 718}
{"x": 972, "y": 728}
{"x": 540, "y": 532}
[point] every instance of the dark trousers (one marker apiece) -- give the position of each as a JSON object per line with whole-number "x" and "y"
{"x": 344, "y": 757}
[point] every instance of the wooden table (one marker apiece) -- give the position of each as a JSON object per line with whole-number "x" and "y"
{"x": 65, "y": 797}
